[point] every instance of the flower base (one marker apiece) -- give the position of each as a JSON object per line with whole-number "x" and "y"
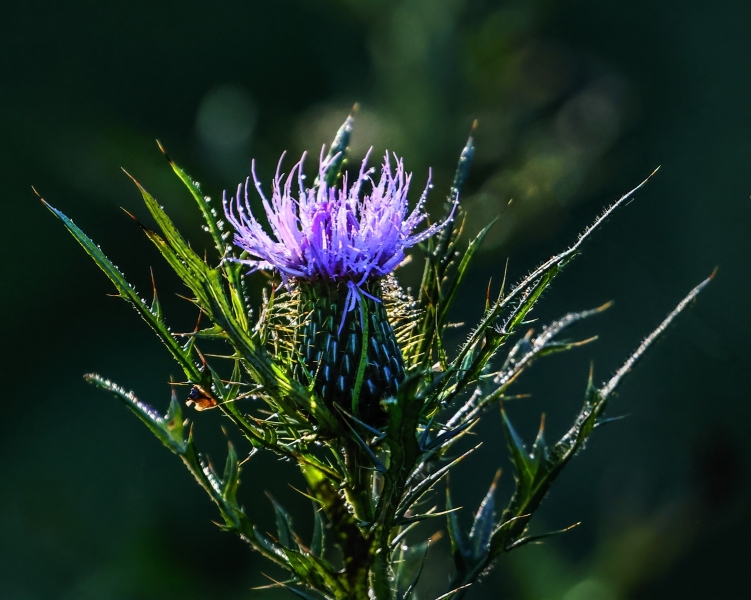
{"x": 331, "y": 344}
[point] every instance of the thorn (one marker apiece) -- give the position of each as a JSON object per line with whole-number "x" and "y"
{"x": 133, "y": 179}
{"x": 355, "y": 109}
{"x": 308, "y": 496}
{"x": 497, "y": 477}
{"x": 158, "y": 143}
{"x": 474, "y": 127}
{"x": 713, "y": 273}
{"x": 132, "y": 216}
{"x": 38, "y": 195}
{"x": 542, "y": 425}
{"x": 203, "y": 360}
{"x": 191, "y": 300}
{"x": 173, "y": 383}
{"x": 589, "y": 340}
{"x": 452, "y": 592}
{"x": 503, "y": 283}
{"x": 153, "y": 281}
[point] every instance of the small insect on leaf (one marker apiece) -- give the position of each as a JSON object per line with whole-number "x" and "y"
{"x": 200, "y": 398}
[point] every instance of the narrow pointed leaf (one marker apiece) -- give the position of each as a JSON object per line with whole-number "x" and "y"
{"x": 461, "y": 272}
{"x": 460, "y": 547}
{"x": 164, "y": 428}
{"x": 338, "y": 152}
{"x": 208, "y": 212}
{"x": 318, "y": 544}
{"x": 283, "y": 524}
{"x": 519, "y": 456}
{"x": 129, "y": 294}
{"x": 231, "y": 476}
{"x": 483, "y": 525}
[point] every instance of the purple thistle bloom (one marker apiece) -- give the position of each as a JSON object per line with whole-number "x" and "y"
{"x": 331, "y": 233}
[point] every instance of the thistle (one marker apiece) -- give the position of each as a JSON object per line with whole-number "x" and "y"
{"x": 340, "y": 371}
{"x": 332, "y": 245}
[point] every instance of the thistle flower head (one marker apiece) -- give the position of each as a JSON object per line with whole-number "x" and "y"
{"x": 352, "y": 233}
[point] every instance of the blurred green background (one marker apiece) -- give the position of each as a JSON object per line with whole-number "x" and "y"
{"x": 578, "y": 101}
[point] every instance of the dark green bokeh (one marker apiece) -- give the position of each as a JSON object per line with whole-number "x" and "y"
{"x": 578, "y": 101}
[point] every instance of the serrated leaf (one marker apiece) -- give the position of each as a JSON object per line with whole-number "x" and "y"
{"x": 170, "y": 232}
{"x": 164, "y": 428}
{"x": 174, "y": 419}
{"x": 194, "y": 282}
{"x": 203, "y": 205}
{"x": 438, "y": 257}
{"x": 418, "y": 490}
{"x": 318, "y": 543}
{"x": 283, "y": 524}
{"x": 534, "y": 538}
{"x": 525, "y": 294}
{"x": 127, "y": 292}
{"x": 232, "y": 270}
{"x": 461, "y": 272}
{"x": 539, "y": 452}
{"x": 231, "y": 475}
{"x": 520, "y": 458}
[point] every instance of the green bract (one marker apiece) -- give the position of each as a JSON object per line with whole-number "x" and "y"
{"x": 369, "y": 403}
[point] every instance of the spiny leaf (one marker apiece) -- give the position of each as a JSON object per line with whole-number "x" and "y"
{"x": 283, "y": 523}
{"x": 438, "y": 257}
{"x": 127, "y": 292}
{"x": 536, "y": 473}
{"x": 534, "y": 538}
{"x": 208, "y": 213}
{"x": 523, "y": 464}
{"x": 483, "y": 525}
{"x": 168, "y": 429}
{"x": 231, "y": 475}
{"x": 232, "y": 270}
{"x": 170, "y": 232}
{"x": 610, "y": 387}
{"x": 525, "y": 294}
{"x": 419, "y": 489}
{"x": 380, "y": 467}
{"x": 460, "y": 547}
{"x": 410, "y": 564}
{"x": 318, "y": 544}
{"x": 521, "y": 356}
{"x": 461, "y": 271}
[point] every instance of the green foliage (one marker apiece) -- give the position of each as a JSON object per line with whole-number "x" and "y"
{"x": 371, "y": 474}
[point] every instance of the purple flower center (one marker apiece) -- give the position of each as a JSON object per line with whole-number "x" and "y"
{"x": 331, "y": 233}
